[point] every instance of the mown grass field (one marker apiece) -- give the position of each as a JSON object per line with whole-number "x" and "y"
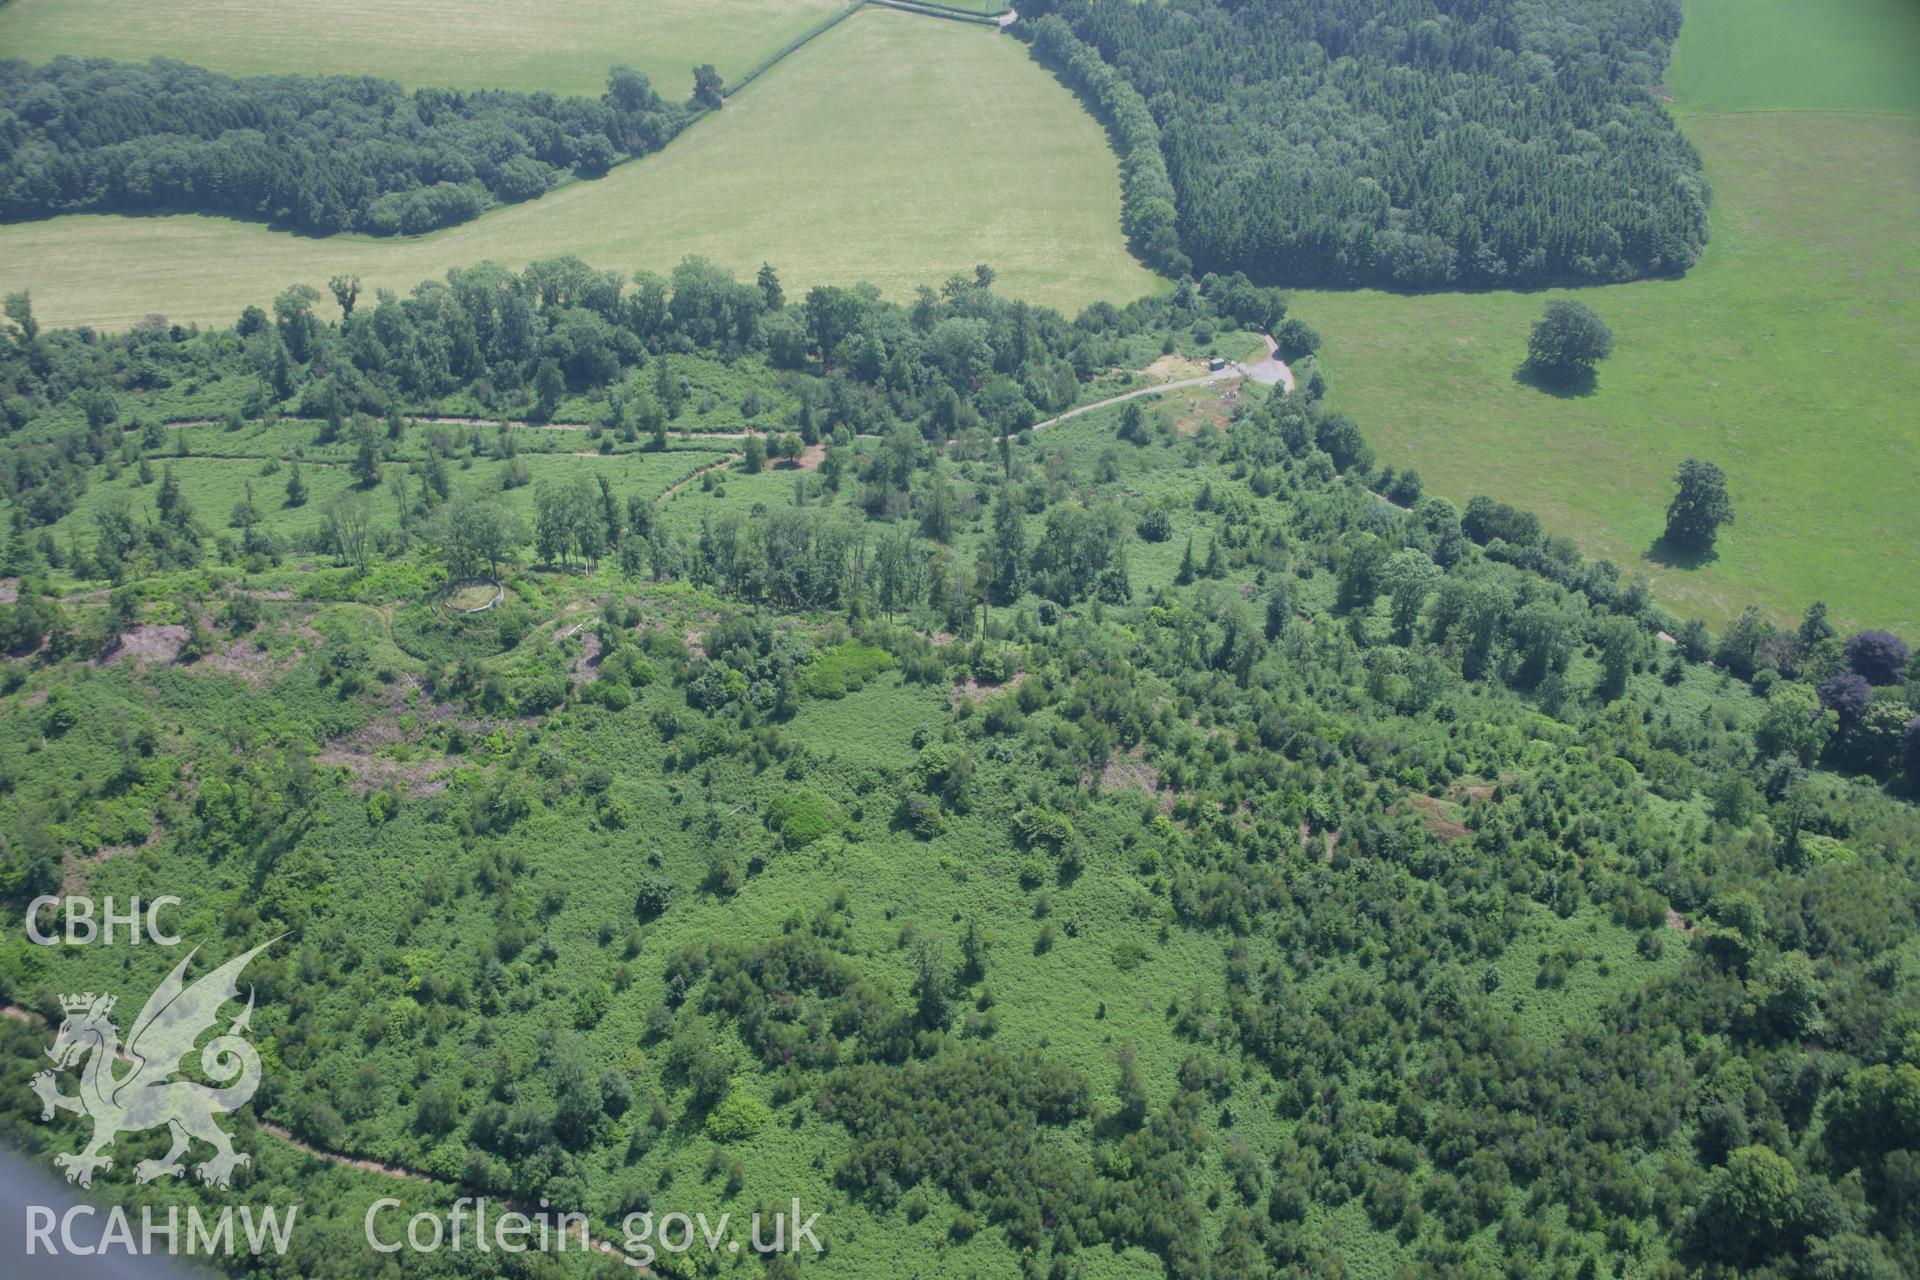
{"x": 1790, "y": 355}
{"x": 562, "y": 45}
{"x": 1771, "y": 55}
{"x": 895, "y": 149}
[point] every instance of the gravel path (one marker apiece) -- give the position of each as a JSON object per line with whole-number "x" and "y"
{"x": 1269, "y": 370}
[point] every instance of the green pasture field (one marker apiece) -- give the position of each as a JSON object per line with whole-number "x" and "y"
{"x": 564, "y": 46}
{"x": 1771, "y": 55}
{"x": 1789, "y": 356}
{"x": 895, "y": 149}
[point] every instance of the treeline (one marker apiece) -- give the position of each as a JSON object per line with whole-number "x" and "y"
{"x": 1417, "y": 144}
{"x": 957, "y": 361}
{"x": 1148, "y": 213}
{"x": 317, "y": 153}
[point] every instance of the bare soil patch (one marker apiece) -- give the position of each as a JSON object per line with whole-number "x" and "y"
{"x": 809, "y": 459}
{"x": 361, "y": 753}
{"x": 245, "y": 659}
{"x": 1132, "y": 769}
{"x": 974, "y": 691}
{"x": 1439, "y": 816}
{"x": 148, "y": 642}
{"x": 1174, "y": 367}
{"x": 586, "y": 667}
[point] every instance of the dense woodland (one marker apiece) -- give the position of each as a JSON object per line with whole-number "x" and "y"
{"x": 1541, "y": 945}
{"x": 1417, "y": 144}
{"x": 315, "y": 153}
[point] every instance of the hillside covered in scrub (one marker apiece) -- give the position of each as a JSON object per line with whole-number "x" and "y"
{"x": 1158, "y": 841}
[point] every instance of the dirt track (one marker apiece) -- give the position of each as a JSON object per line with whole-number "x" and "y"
{"x": 1269, "y": 370}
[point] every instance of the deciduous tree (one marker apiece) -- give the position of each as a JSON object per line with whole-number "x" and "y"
{"x": 1567, "y": 342}
{"x": 1700, "y": 506}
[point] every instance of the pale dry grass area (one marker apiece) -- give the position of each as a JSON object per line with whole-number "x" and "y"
{"x": 894, "y": 149}
{"x": 562, "y": 45}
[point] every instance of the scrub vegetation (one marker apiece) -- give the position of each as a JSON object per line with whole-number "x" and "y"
{"x": 1131, "y": 846}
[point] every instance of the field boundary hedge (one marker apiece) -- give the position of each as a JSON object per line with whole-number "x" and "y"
{"x": 812, "y": 33}
{"x": 926, "y": 8}
{"x": 931, "y": 10}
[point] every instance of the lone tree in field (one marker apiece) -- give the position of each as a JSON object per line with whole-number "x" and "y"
{"x": 1700, "y": 507}
{"x": 1567, "y": 342}
{"x": 708, "y": 88}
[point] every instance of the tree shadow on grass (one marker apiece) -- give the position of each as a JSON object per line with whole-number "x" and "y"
{"x": 1573, "y": 386}
{"x": 1679, "y": 555}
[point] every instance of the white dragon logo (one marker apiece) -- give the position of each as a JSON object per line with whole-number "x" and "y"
{"x": 148, "y": 1095}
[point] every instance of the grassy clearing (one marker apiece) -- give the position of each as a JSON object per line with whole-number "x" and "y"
{"x": 214, "y": 479}
{"x": 1790, "y": 355}
{"x": 468, "y": 44}
{"x": 471, "y": 598}
{"x": 1556, "y": 971}
{"x": 893, "y": 149}
{"x": 1766, "y": 55}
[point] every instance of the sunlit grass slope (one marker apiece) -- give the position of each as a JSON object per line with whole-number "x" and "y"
{"x": 562, "y": 45}
{"x": 895, "y": 149}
